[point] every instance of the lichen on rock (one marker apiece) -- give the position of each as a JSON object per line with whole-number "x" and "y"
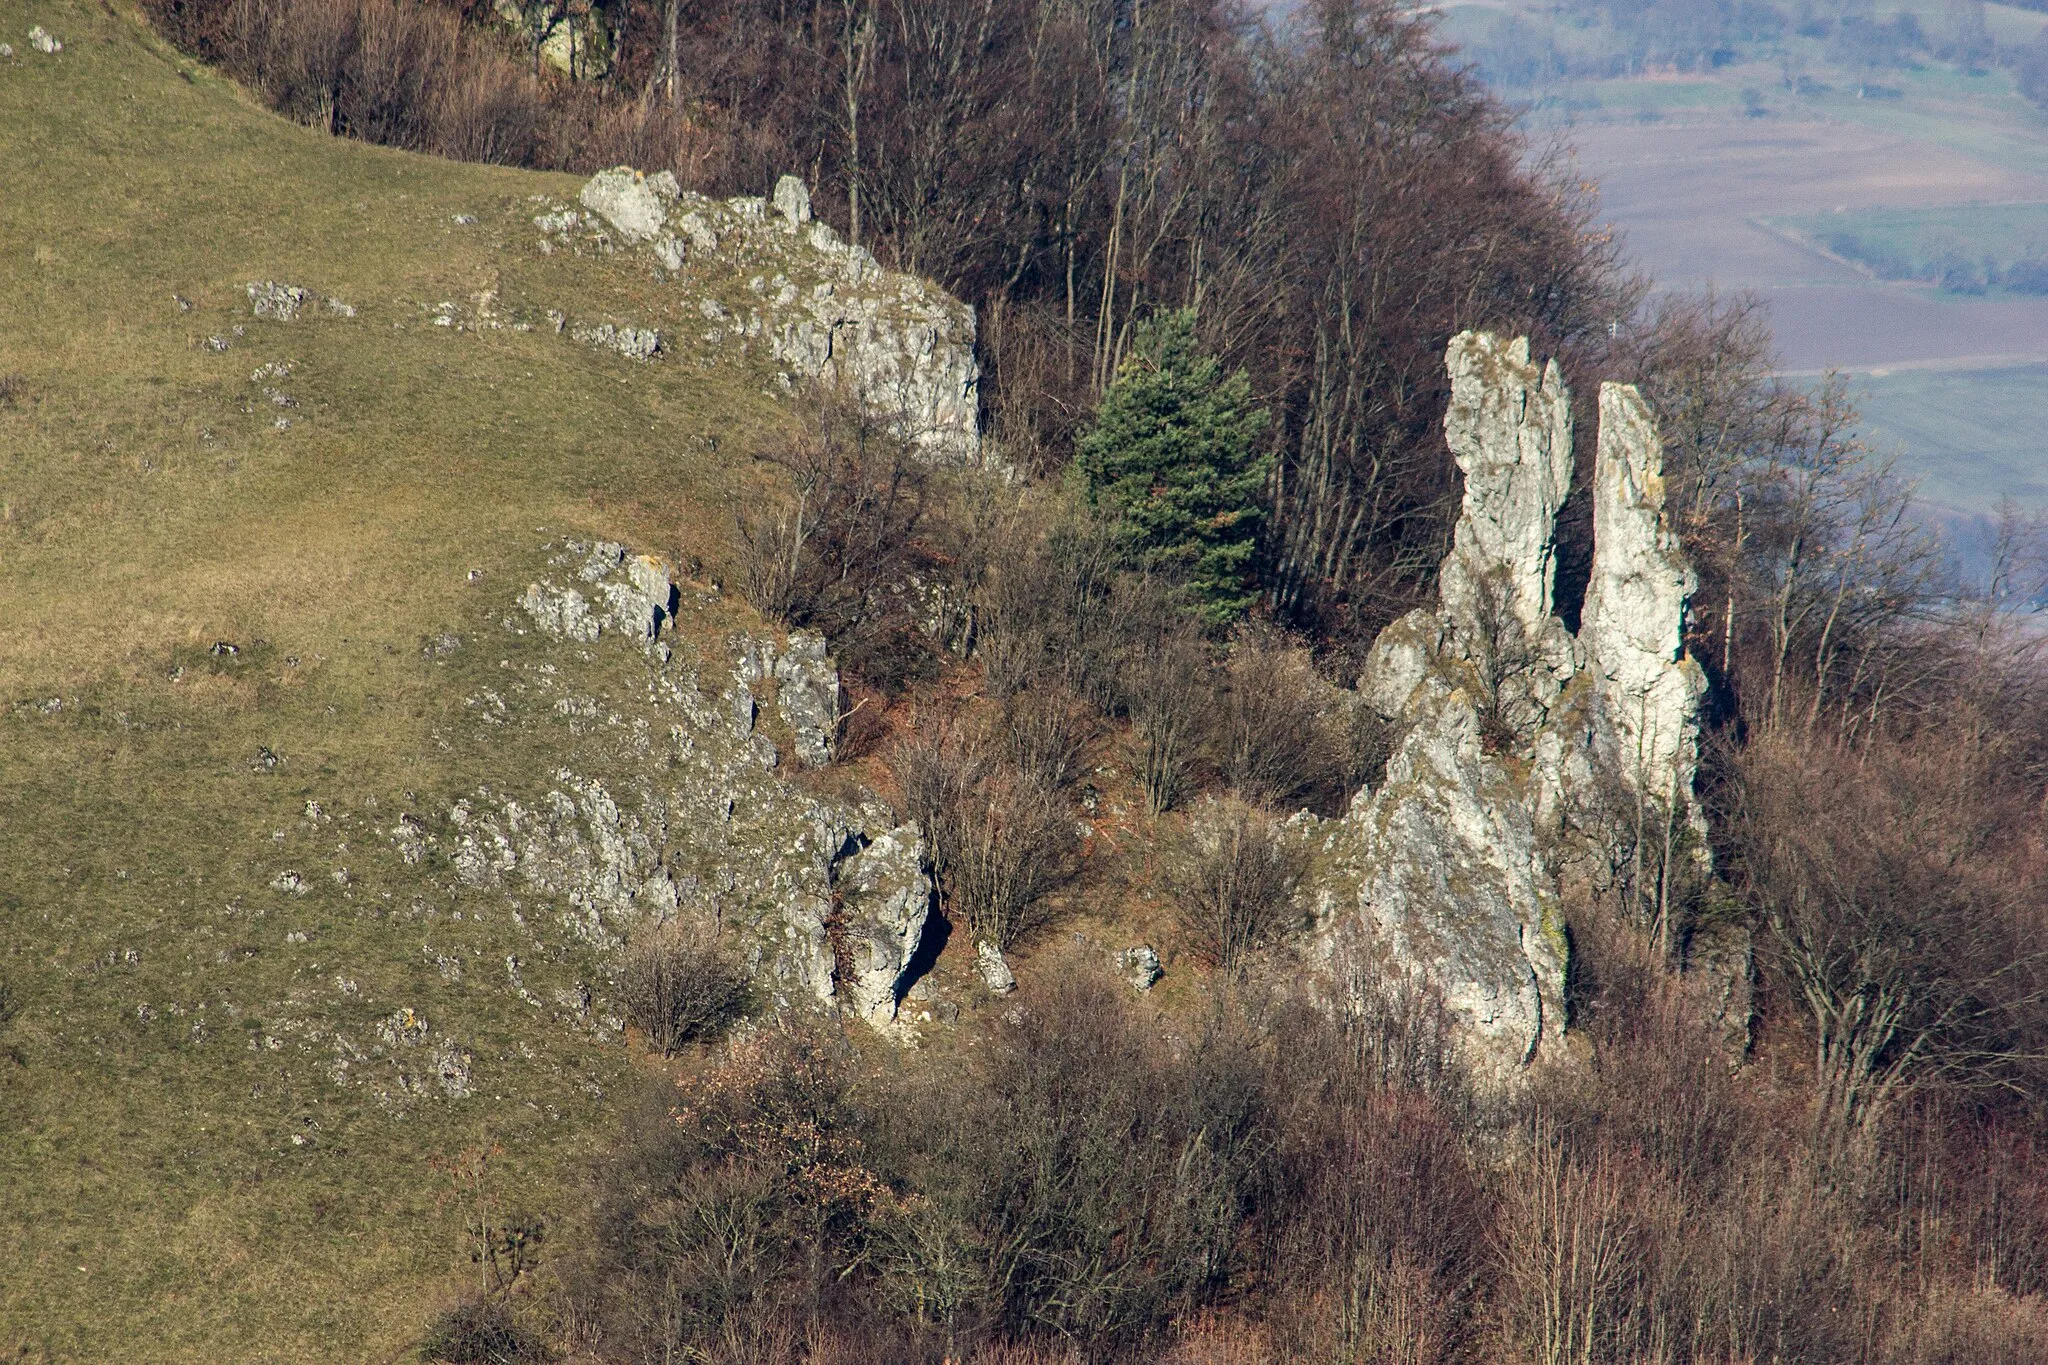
{"x": 806, "y": 688}
{"x": 671, "y": 805}
{"x": 885, "y": 901}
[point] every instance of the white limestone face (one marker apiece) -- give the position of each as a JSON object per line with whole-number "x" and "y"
{"x": 1455, "y": 889}
{"x": 1633, "y": 626}
{"x": 885, "y": 898}
{"x": 793, "y": 201}
{"x": 624, "y": 198}
{"x": 821, "y": 308}
{"x": 1509, "y": 426}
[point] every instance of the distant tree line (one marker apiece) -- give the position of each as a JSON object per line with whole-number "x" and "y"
{"x": 1607, "y": 38}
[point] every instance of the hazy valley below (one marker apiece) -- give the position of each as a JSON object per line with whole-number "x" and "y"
{"x": 1868, "y": 225}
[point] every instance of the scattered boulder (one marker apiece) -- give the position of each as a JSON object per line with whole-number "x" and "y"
{"x": 634, "y": 343}
{"x": 281, "y": 302}
{"x": 995, "y": 973}
{"x": 43, "y": 41}
{"x": 1140, "y": 966}
{"x": 885, "y": 899}
{"x": 793, "y": 201}
{"x": 630, "y": 201}
{"x": 560, "y": 613}
{"x": 635, "y": 595}
{"x": 284, "y": 302}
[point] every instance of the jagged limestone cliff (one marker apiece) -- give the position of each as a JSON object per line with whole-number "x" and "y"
{"x": 1513, "y": 733}
{"x": 1650, "y": 693}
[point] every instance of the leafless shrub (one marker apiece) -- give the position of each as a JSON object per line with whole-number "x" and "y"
{"x": 1902, "y": 911}
{"x": 1569, "y": 1251}
{"x": 1966, "y": 1193}
{"x": 725, "y": 1229}
{"x": 1001, "y": 837}
{"x": 1010, "y": 844}
{"x": 1044, "y": 733}
{"x": 1283, "y": 731}
{"x": 1233, "y": 876}
{"x": 14, "y": 390}
{"x": 416, "y": 76}
{"x": 1165, "y": 692}
{"x": 1397, "y": 1033}
{"x": 1221, "y": 1339}
{"x": 1082, "y": 1179}
{"x": 1381, "y": 1246}
{"x": 837, "y": 550}
{"x": 1051, "y": 610}
{"x": 679, "y": 984}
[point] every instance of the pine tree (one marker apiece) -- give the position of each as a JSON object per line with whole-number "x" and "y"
{"x": 1172, "y": 454}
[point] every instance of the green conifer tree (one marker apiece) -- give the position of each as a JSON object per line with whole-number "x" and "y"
{"x": 1172, "y": 453}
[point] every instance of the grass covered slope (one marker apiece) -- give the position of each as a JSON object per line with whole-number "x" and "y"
{"x": 221, "y": 593}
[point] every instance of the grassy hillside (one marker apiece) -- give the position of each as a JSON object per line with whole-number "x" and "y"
{"x": 226, "y": 598}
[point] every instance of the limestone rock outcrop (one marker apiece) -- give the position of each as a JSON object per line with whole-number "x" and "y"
{"x": 1509, "y": 426}
{"x": 284, "y": 302}
{"x": 633, "y": 593}
{"x": 821, "y": 308}
{"x": 806, "y": 689}
{"x": 635, "y": 205}
{"x": 662, "y": 800}
{"x": 1509, "y": 729}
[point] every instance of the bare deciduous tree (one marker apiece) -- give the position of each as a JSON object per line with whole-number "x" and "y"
{"x": 1898, "y": 888}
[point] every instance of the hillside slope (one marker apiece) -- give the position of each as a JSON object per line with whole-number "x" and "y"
{"x": 259, "y": 579}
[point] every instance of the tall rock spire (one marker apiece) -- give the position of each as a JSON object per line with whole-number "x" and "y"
{"x": 1633, "y": 626}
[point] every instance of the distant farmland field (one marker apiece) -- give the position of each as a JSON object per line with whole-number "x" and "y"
{"x": 1971, "y": 437}
{"x": 1963, "y": 249}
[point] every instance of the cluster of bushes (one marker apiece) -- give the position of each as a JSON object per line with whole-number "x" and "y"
{"x": 1105, "y": 615}
{"x": 1082, "y": 1179}
{"x": 416, "y": 76}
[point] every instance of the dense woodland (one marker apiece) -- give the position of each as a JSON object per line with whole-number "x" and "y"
{"x": 1267, "y": 231}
